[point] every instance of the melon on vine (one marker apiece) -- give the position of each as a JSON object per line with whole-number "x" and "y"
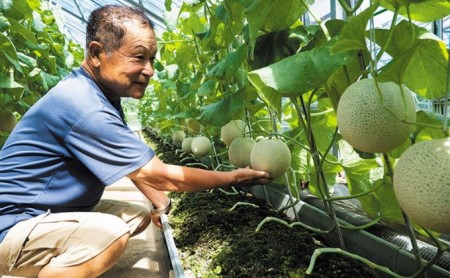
{"x": 239, "y": 151}
{"x": 178, "y": 137}
{"x": 422, "y": 184}
{"x": 272, "y": 156}
{"x": 375, "y": 123}
{"x": 186, "y": 144}
{"x": 201, "y": 146}
{"x": 232, "y": 130}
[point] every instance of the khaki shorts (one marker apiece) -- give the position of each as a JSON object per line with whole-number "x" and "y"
{"x": 66, "y": 239}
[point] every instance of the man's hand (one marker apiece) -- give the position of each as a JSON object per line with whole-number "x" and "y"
{"x": 249, "y": 177}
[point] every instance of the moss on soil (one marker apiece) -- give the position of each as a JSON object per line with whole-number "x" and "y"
{"x": 214, "y": 241}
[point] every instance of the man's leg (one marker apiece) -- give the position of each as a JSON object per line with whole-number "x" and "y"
{"x": 137, "y": 217}
{"x": 82, "y": 244}
{"x": 91, "y": 268}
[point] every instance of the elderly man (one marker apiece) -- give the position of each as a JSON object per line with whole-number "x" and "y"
{"x": 72, "y": 143}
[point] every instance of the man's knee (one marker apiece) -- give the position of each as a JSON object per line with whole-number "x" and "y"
{"x": 143, "y": 225}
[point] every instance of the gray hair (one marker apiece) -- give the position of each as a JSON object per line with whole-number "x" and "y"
{"x": 105, "y": 25}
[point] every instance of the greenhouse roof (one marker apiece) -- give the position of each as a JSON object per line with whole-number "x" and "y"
{"x": 73, "y": 14}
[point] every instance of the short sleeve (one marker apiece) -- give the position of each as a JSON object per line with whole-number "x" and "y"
{"x": 107, "y": 147}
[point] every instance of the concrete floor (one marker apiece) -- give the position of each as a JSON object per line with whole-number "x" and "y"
{"x": 146, "y": 254}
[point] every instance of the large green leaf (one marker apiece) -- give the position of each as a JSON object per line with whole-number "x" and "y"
{"x": 352, "y": 36}
{"x": 18, "y": 10}
{"x": 406, "y": 34}
{"x": 4, "y": 23}
{"x": 269, "y": 16}
{"x": 420, "y": 10}
{"x": 23, "y": 32}
{"x": 299, "y": 73}
{"x": 228, "y": 66}
{"x": 8, "y": 54}
{"x": 221, "y": 112}
{"x": 423, "y": 68}
{"x": 10, "y": 91}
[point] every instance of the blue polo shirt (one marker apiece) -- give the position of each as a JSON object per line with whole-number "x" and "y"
{"x": 64, "y": 151}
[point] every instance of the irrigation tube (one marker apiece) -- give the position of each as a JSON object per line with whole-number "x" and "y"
{"x": 176, "y": 265}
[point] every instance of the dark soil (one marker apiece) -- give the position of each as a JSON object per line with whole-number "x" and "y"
{"x": 214, "y": 240}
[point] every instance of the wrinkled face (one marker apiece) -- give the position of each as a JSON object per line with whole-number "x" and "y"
{"x": 126, "y": 71}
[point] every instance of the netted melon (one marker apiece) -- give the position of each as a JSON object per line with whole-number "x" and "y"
{"x": 232, "y": 130}
{"x": 239, "y": 151}
{"x": 272, "y": 156}
{"x": 375, "y": 124}
{"x": 201, "y": 146}
{"x": 422, "y": 184}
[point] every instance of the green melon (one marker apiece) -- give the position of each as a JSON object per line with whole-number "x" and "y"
{"x": 178, "y": 137}
{"x": 370, "y": 124}
{"x": 272, "y": 156}
{"x": 7, "y": 121}
{"x": 232, "y": 130}
{"x": 422, "y": 184}
{"x": 201, "y": 146}
{"x": 239, "y": 151}
{"x": 186, "y": 144}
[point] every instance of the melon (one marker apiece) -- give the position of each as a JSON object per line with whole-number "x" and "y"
{"x": 239, "y": 151}
{"x": 371, "y": 124}
{"x": 7, "y": 121}
{"x": 232, "y": 130}
{"x": 272, "y": 156}
{"x": 186, "y": 144}
{"x": 178, "y": 137}
{"x": 201, "y": 146}
{"x": 422, "y": 184}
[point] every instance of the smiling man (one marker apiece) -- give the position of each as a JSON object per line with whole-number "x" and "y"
{"x": 72, "y": 143}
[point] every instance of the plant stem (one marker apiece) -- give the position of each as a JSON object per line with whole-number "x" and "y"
{"x": 243, "y": 204}
{"x": 337, "y": 198}
{"x": 320, "y": 251}
{"x": 317, "y": 19}
{"x": 319, "y": 170}
{"x": 390, "y": 34}
{"x": 291, "y": 225}
{"x": 412, "y": 235}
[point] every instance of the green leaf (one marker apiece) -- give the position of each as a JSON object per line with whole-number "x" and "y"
{"x": 221, "y": 112}
{"x": 8, "y": 52}
{"x": 49, "y": 80}
{"x": 18, "y": 10}
{"x": 390, "y": 210}
{"x": 269, "y": 16}
{"x": 406, "y": 34}
{"x": 228, "y": 66}
{"x": 10, "y": 90}
{"x": 4, "y": 23}
{"x": 422, "y": 10}
{"x": 168, "y": 5}
{"x": 423, "y": 68}
{"x": 352, "y": 35}
{"x": 207, "y": 88}
{"x": 299, "y": 73}
{"x": 423, "y": 133}
{"x": 22, "y": 31}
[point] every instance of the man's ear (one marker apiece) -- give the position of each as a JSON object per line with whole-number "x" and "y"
{"x": 94, "y": 50}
